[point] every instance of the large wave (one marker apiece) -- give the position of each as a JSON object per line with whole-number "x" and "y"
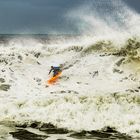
{"x": 99, "y": 86}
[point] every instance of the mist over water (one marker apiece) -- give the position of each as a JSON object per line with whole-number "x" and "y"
{"x": 99, "y": 86}
{"x": 106, "y": 19}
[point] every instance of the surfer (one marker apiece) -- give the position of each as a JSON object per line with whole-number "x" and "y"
{"x": 55, "y": 70}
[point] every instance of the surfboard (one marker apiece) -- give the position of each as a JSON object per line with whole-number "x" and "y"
{"x": 53, "y": 79}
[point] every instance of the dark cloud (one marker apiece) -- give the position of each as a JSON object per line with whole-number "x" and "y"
{"x": 33, "y": 15}
{"x": 40, "y": 16}
{"x": 134, "y": 4}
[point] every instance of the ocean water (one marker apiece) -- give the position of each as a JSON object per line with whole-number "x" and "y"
{"x": 99, "y": 86}
{"x": 100, "y": 83}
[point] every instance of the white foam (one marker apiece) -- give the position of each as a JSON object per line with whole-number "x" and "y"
{"x": 94, "y": 107}
{"x": 78, "y": 101}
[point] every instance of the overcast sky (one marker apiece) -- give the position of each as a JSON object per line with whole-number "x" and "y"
{"x": 42, "y": 16}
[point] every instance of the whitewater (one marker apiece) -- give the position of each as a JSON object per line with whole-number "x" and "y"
{"x": 100, "y": 82}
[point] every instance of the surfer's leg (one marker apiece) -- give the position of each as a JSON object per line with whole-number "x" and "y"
{"x": 55, "y": 73}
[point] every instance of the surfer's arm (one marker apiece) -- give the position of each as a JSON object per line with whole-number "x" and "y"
{"x": 50, "y": 71}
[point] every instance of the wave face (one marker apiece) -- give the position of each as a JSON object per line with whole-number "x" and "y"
{"x": 99, "y": 86}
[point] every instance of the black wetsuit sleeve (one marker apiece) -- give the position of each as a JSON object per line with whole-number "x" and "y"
{"x": 50, "y": 71}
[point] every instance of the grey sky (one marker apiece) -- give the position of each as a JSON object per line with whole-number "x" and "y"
{"x": 42, "y": 16}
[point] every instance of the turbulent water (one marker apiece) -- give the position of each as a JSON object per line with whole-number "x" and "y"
{"x": 100, "y": 83}
{"x": 99, "y": 86}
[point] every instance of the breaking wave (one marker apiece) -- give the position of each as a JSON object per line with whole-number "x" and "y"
{"x": 99, "y": 86}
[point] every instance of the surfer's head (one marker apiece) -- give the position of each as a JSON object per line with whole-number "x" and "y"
{"x": 51, "y": 67}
